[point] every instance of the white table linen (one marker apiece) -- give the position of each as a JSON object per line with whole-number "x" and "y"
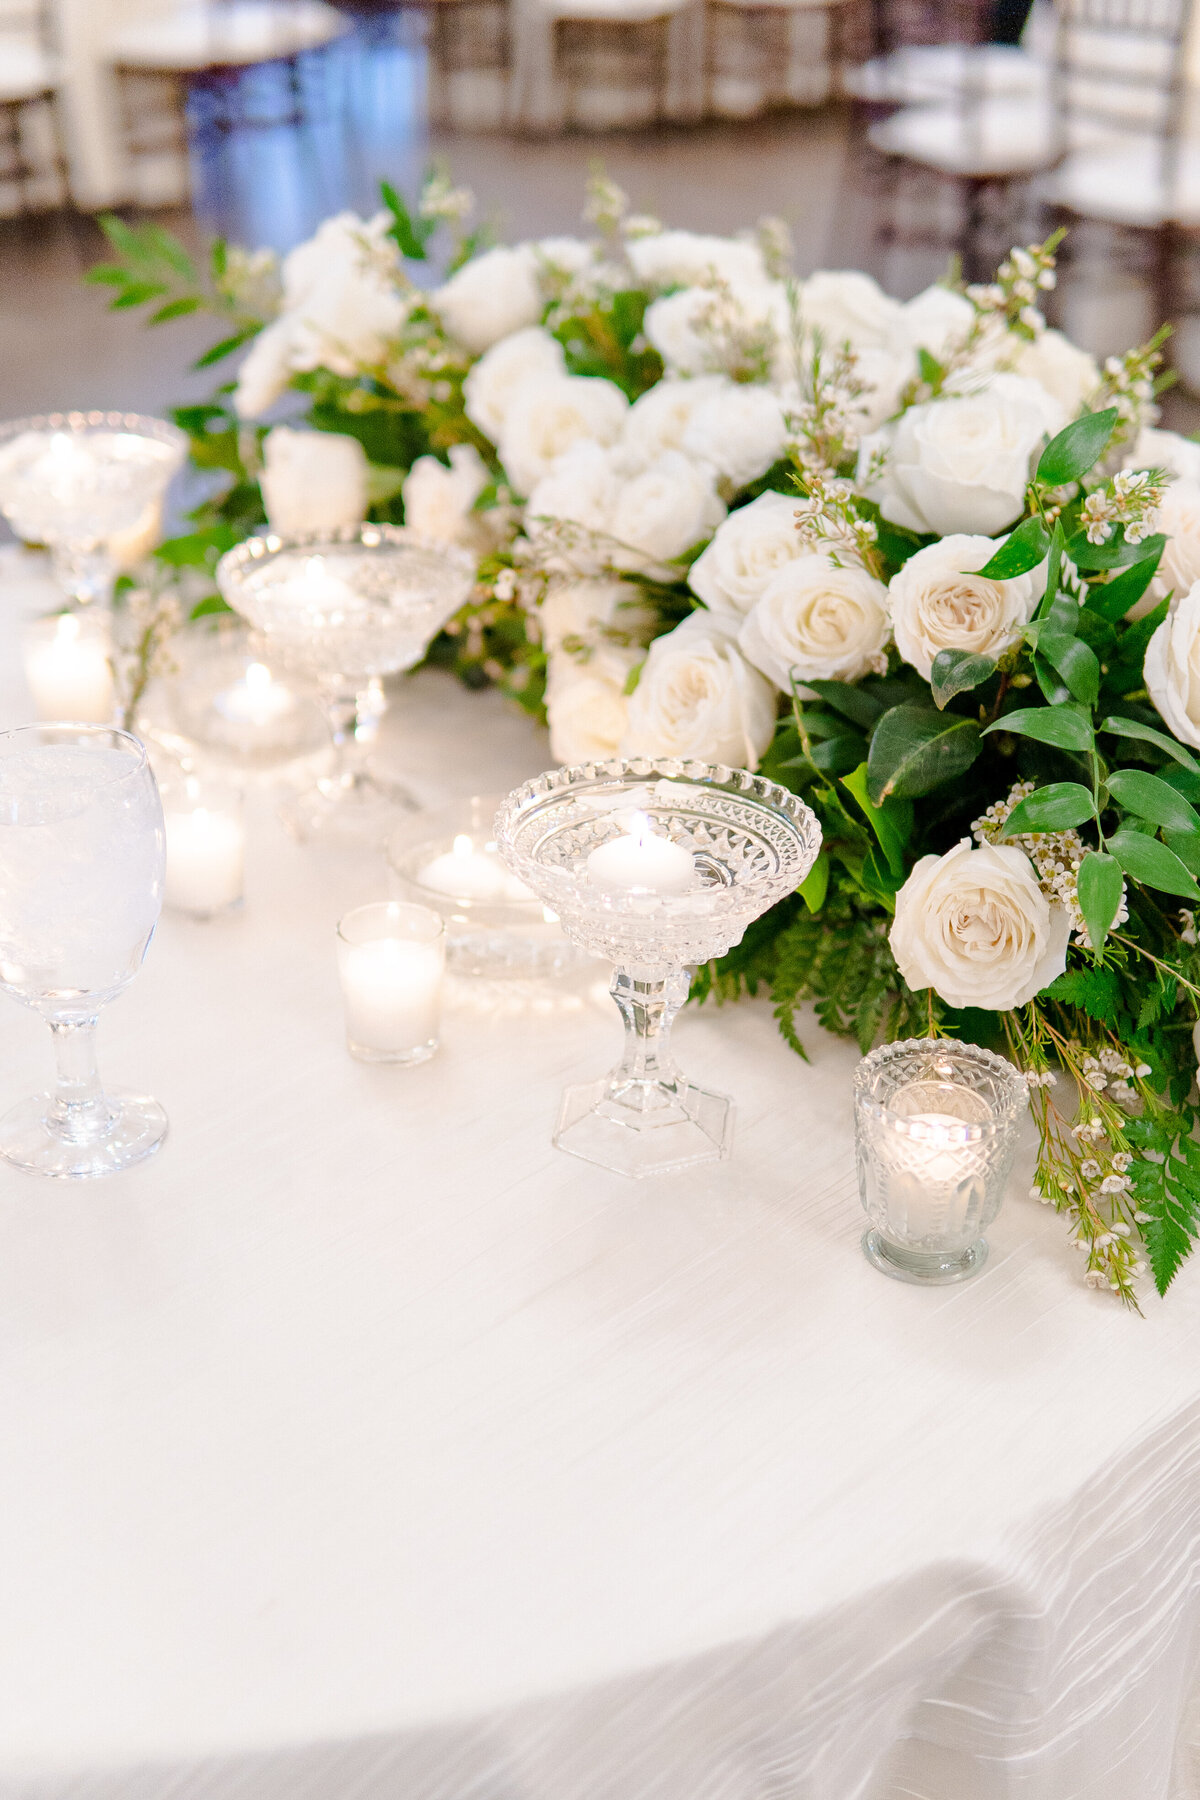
{"x": 361, "y": 1445}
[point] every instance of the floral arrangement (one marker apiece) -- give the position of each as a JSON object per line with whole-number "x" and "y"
{"x": 926, "y": 563}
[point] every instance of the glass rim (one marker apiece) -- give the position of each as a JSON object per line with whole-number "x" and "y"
{"x": 1015, "y": 1090}
{"x": 83, "y": 729}
{"x": 147, "y": 425}
{"x": 395, "y": 908}
{"x": 369, "y": 534}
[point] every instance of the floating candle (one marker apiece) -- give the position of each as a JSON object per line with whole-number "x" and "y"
{"x": 640, "y": 861}
{"x": 257, "y": 699}
{"x": 314, "y": 589}
{"x": 467, "y": 873}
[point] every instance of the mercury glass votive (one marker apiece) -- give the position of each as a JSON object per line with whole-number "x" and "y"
{"x": 935, "y": 1131}
{"x": 391, "y": 959}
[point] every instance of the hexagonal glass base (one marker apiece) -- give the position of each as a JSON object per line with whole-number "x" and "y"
{"x": 360, "y": 810}
{"x": 29, "y": 1140}
{"x": 937, "y": 1268}
{"x": 644, "y": 1128}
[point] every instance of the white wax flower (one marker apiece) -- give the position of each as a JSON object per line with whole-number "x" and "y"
{"x": 698, "y": 696}
{"x": 739, "y": 431}
{"x": 438, "y": 501}
{"x": 672, "y": 259}
{"x": 975, "y": 926}
{"x": 667, "y": 509}
{"x": 658, "y": 418}
{"x": 586, "y": 704}
{"x": 552, "y": 413}
{"x": 937, "y": 603}
{"x": 1172, "y": 668}
{"x": 816, "y": 621}
{"x": 490, "y": 297}
{"x": 1066, "y": 372}
{"x": 846, "y": 307}
{"x": 962, "y": 463}
{"x": 494, "y": 382}
{"x": 750, "y": 548}
{"x": 312, "y": 480}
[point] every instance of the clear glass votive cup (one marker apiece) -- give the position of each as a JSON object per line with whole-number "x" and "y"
{"x": 391, "y": 960}
{"x": 206, "y": 845}
{"x": 935, "y": 1130}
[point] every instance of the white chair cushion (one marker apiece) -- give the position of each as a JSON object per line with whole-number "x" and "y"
{"x": 241, "y": 32}
{"x": 1124, "y": 185}
{"x": 25, "y": 70}
{"x": 601, "y": 12}
{"x": 922, "y": 74}
{"x": 992, "y": 140}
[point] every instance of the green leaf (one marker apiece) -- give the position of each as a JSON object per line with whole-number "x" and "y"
{"x": 108, "y": 274}
{"x": 1096, "y": 991}
{"x": 857, "y": 704}
{"x": 915, "y": 748}
{"x": 1115, "y": 554}
{"x": 1053, "y": 570}
{"x": 136, "y": 294}
{"x": 1056, "y": 807}
{"x": 1075, "y": 661}
{"x": 957, "y": 672}
{"x": 1113, "y": 599}
{"x": 891, "y": 824}
{"x": 1052, "y": 685}
{"x": 1099, "y": 885}
{"x": 1076, "y": 448}
{"x": 1152, "y": 799}
{"x": 1153, "y": 864}
{"x": 226, "y": 347}
{"x": 1064, "y": 726}
{"x": 175, "y": 309}
{"x": 1022, "y": 550}
{"x": 1146, "y": 734}
{"x": 931, "y": 369}
{"x": 407, "y": 235}
{"x": 1186, "y": 845}
{"x": 815, "y": 886}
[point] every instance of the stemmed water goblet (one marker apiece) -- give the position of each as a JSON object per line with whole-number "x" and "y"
{"x": 347, "y": 607}
{"x": 654, "y": 864}
{"x": 74, "y": 481}
{"x": 81, "y": 884}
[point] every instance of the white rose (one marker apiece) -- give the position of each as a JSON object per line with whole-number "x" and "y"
{"x": 586, "y": 703}
{"x": 658, "y": 419}
{"x": 564, "y": 255}
{"x": 438, "y": 500}
{"x": 551, "y": 414}
{"x": 689, "y": 259}
{"x": 130, "y": 547}
{"x": 341, "y": 297}
{"x": 1172, "y": 668}
{"x": 938, "y": 320}
{"x": 817, "y": 622}
{"x": 698, "y": 696}
{"x": 312, "y": 480}
{"x": 739, "y": 431}
{"x": 497, "y": 378}
{"x": 1179, "y": 518}
{"x": 1166, "y": 450}
{"x": 490, "y": 297}
{"x": 265, "y": 372}
{"x": 975, "y": 926}
{"x": 583, "y": 610}
{"x": 846, "y": 307}
{"x": 1066, "y": 372}
{"x": 936, "y": 603}
{"x": 753, "y": 544}
{"x": 580, "y": 489}
{"x": 961, "y": 464}
{"x": 667, "y": 509}
{"x": 700, "y": 331}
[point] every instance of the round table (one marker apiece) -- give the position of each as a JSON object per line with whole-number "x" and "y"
{"x": 361, "y": 1446}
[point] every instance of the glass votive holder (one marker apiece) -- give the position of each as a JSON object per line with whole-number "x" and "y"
{"x": 391, "y": 959}
{"x": 68, "y": 667}
{"x": 206, "y": 845}
{"x": 935, "y": 1130}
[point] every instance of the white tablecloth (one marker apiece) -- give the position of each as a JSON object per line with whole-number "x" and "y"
{"x": 363, "y": 1447}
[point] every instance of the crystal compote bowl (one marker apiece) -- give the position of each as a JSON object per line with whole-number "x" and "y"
{"x": 348, "y": 607}
{"x": 77, "y": 481}
{"x": 638, "y": 904}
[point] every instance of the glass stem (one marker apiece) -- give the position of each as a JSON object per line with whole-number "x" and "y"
{"x": 648, "y": 1000}
{"x": 85, "y": 575}
{"x": 78, "y": 1110}
{"x": 354, "y": 715}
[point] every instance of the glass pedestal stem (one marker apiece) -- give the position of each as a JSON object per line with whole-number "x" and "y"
{"x": 354, "y": 714}
{"x": 648, "y": 1000}
{"x": 85, "y": 574}
{"x": 78, "y": 1112}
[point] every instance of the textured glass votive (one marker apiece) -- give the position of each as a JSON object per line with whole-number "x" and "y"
{"x": 391, "y": 958}
{"x": 935, "y": 1129}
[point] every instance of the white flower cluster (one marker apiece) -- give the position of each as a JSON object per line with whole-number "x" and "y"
{"x": 1055, "y": 855}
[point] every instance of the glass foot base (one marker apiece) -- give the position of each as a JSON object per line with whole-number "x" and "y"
{"x": 139, "y": 1126}
{"x": 644, "y": 1130}
{"x": 923, "y": 1268}
{"x": 363, "y": 811}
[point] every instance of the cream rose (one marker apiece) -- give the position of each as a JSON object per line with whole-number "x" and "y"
{"x": 586, "y": 704}
{"x": 961, "y": 464}
{"x": 497, "y": 378}
{"x": 658, "y": 419}
{"x": 581, "y": 489}
{"x": 937, "y": 320}
{"x": 975, "y": 926}
{"x": 1066, "y": 372}
{"x": 1179, "y": 518}
{"x": 699, "y": 331}
{"x": 312, "y": 480}
{"x": 750, "y": 548}
{"x": 846, "y": 307}
{"x": 438, "y": 501}
{"x": 490, "y": 297}
{"x": 937, "y": 603}
{"x": 739, "y": 431}
{"x": 667, "y": 509}
{"x": 341, "y": 295}
{"x": 689, "y": 259}
{"x": 549, "y": 415}
{"x": 1172, "y": 668}
{"x": 698, "y": 696}
{"x": 818, "y": 622}
{"x": 1166, "y": 450}
{"x": 578, "y": 612}
{"x": 265, "y": 372}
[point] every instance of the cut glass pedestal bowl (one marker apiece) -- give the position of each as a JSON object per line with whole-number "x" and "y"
{"x": 752, "y": 843}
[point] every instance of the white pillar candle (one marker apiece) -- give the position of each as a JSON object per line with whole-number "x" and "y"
{"x": 206, "y": 849}
{"x": 391, "y": 986}
{"x": 68, "y": 671}
{"x": 641, "y": 861}
{"x": 936, "y": 1165}
{"x": 467, "y": 873}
